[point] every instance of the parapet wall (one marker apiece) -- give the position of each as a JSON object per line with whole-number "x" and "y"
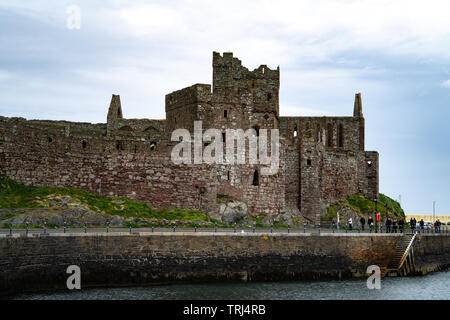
{"x": 39, "y": 262}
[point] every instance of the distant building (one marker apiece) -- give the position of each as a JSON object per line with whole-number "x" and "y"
{"x": 428, "y": 217}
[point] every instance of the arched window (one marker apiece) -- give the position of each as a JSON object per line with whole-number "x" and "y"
{"x": 318, "y": 133}
{"x": 295, "y": 131}
{"x": 341, "y": 135}
{"x": 257, "y": 130}
{"x": 153, "y": 145}
{"x": 330, "y": 135}
{"x": 255, "y": 178}
{"x": 84, "y": 144}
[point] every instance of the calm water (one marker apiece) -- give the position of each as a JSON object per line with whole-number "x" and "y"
{"x": 435, "y": 286}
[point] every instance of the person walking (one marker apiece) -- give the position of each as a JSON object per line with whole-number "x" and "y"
{"x": 394, "y": 226}
{"x": 436, "y": 226}
{"x": 363, "y": 222}
{"x": 412, "y": 224}
{"x": 439, "y": 225}
{"x": 350, "y": 223}
{"x": 388, "y": 225}
{"x": 422, "y": 224}
{"x": 370, "y": 223}
{"x": 401, "y": 224}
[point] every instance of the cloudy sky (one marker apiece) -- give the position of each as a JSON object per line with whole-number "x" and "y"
{"x": 397, "y": 53}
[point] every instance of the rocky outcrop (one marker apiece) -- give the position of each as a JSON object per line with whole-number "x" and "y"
{"x": 57, "y": 216}
{"x": 232, "y": 212}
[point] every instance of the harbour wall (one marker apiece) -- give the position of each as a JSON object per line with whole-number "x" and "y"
{"x": 39, "y": 262}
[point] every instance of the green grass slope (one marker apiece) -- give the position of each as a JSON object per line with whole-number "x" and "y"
{"x": 17, "y": 195}
{"x": 363, "y": 206}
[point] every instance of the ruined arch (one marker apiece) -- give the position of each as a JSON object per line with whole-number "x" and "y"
{"x": 126, "y": 128}
{"x": 150, "y": 131}
{"x": 151, "y": 128}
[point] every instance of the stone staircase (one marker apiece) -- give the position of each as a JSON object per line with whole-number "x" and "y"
{"x": 402, "y": 262}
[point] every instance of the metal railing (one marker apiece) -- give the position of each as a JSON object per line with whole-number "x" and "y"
{"x": 235, "y": 228}
{"x": 405, "y": 254}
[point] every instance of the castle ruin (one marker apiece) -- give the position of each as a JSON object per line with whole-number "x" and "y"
{"x": 322, "y": 159}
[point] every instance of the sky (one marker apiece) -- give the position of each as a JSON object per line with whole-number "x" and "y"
{"x": 396, "y": 53}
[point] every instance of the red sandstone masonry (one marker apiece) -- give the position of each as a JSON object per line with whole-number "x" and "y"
{"x": 324, "y": 163}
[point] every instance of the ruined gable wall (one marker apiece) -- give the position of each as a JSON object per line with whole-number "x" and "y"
{"x": 328, "y": 168}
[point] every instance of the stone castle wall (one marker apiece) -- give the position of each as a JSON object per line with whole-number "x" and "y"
{"x": 124, "y": 164}
{"x": 322, "y": 159}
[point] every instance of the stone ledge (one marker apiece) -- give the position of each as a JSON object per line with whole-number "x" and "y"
{"x": 203, "y": 234}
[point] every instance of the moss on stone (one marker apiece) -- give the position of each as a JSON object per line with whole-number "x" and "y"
{"x": 223, "y": 198}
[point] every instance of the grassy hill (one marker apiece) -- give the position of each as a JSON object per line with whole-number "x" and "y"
{"x": 17, "y": 195}
{"x": 360, "y": 205}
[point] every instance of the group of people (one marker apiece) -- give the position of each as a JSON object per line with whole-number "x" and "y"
{"x": 413, "y": 223}
{"x": 363, "y": 223}
{"x": 437, "y": 226}
{"x": 393, "y": 225}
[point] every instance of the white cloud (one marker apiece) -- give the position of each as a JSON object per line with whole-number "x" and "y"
{"x": 5, "y": 75}
{"x": 149, "y": 19}
{"x": 313, "y": 30}
{"x": 445, "y": 84}
{"x": 301, "y": 111}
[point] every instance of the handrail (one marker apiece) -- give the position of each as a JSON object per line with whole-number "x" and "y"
{"x": 402, "y": 260}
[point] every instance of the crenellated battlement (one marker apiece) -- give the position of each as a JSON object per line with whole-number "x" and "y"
{"x": 228, "y": 71}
